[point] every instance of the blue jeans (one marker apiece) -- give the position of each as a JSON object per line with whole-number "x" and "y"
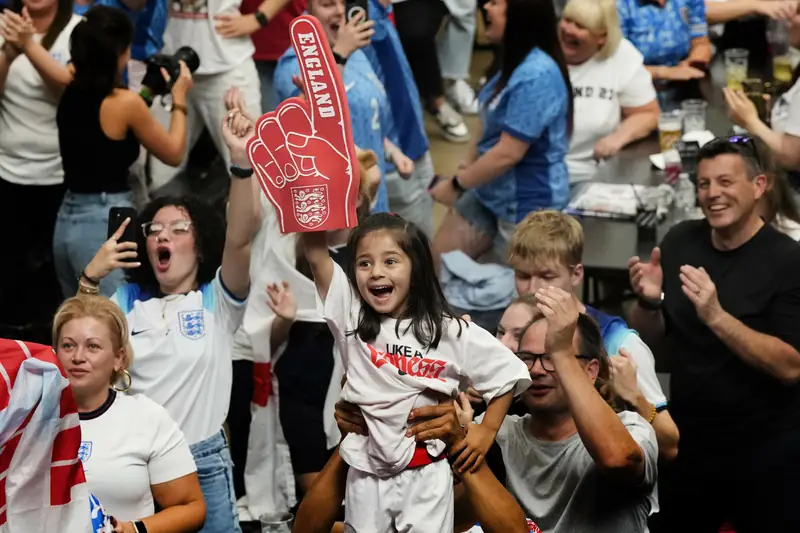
{"x": 81, "y": 229}
{"x": 215, "y": 470}
{"x": 266, "y": 70}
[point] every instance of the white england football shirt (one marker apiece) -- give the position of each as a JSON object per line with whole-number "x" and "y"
{"x": 390, "y": 376}
{"x": 182, "y": 346}
{"x": 127, "y": 446}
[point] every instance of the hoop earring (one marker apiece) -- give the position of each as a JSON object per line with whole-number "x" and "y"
{"x": 127, "y": 387}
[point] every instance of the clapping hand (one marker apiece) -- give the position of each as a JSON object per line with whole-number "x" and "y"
{"x": 701, "y": 291}
{"x": 281, "y": 301}
{"x": 17, "y": 30}
{"x": 647, "y": 278}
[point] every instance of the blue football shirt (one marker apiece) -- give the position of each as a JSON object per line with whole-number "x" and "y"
{"x": 532, "y": 107}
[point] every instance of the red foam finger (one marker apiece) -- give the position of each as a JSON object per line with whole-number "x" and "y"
{"x": 269, "y": 131}
{"x": 324, "y": 87}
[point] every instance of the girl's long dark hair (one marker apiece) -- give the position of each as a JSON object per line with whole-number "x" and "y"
{"x": 532, "y": 24}
{"x": 96, "y": 44}
{"x": 62, "y": 18}
{"x": 426, "y": 305}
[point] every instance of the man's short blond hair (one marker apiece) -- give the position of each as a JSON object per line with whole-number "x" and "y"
{"x": 544, "y": 238}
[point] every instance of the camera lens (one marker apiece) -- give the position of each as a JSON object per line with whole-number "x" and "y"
{"x": 188, "y": 56}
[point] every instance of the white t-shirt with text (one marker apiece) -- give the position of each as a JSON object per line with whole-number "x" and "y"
{"x": 128, "y": 448}
{"x": 601, "y": 88}
{"x": 191, "y": 23}
{"x": 182, "y": 345}
{"x": 29, "y": 149}
{"x": 389, "y": 376}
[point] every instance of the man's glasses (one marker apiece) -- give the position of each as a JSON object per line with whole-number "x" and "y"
{"x": 530, "y": 358}
{"x": 176, "y": 227}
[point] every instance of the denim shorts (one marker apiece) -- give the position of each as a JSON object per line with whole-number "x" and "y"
{"x": 215, "y": 470}
{"x": 81, "y": 229}
{"x": 486, "y": 222}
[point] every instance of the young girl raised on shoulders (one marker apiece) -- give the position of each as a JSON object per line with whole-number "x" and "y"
{"x": 403, "y": 347}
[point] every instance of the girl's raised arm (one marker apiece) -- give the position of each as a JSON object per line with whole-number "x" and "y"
{"x": 315, "y": 245}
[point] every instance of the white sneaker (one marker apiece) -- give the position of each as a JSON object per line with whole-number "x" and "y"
{"x": 462, "y": 97}
{"x": 452, "y": 124}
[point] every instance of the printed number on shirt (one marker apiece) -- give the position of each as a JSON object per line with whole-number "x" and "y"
{"x": 376, "y": 114}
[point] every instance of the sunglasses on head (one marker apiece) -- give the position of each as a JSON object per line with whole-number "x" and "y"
{"x": 744, "y": 144}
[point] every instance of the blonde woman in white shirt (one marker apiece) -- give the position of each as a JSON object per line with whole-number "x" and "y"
{"x": 615, "y": 101}
{"x": 133, "y": 454}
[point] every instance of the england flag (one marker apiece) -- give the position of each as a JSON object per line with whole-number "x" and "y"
{"x": 42, "y": 486}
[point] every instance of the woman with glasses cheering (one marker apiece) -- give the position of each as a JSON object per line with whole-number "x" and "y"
{"x": 184, "y": 303}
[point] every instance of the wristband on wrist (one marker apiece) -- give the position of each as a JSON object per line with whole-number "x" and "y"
{"x": 181, "y": 108}
{"x": 261, "y": 18}
{"x": 457, "y": 185}
{"x": 653, "y": 412}
{"x": 340, "y": 59}
{"x": 241, "y": 173}
{"x": 651, "y": 305}
{"x": 90, "y": 280}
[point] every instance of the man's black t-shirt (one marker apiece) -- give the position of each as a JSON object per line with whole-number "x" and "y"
{"x": 718, "y": 401}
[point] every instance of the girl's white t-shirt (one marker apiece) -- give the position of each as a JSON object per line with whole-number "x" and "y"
{"x": 128, "y": 448}
{"x": 393, "y": 374}
{"x": 29, "y": 150}
{"x": 601, "y": 88}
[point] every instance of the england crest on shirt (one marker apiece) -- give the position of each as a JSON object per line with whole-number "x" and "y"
{"x": 85, "y": 450}
{"x": 192, "y": 325}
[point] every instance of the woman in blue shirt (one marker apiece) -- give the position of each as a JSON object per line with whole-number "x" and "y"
{"x": 369, "y": 107}
{"x": 518, "y": 165}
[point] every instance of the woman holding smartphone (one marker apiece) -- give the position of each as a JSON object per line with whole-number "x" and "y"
{"x": 101, "y": 127}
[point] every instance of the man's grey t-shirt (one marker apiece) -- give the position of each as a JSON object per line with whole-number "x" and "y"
{"x": 561, "y": 489}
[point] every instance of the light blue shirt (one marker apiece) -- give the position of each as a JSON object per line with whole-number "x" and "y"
{"x": 369, "y": 107}
{"x": 533, "y": 108}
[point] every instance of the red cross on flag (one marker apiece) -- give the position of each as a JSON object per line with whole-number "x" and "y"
{"x": 42, "y": 486}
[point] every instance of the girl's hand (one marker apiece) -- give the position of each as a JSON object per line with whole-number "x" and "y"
{"x": 464, "y": 409}
{"x": 623, "y": 377}
{"x": 472, "y": 395}
{"x": 112, "y": 255}
{"x": 282, "y": 301}
{"x": 742, "y": 110}
{"x": 405, "y": 166}
{"x": 354, "y": 35}
{"x": 473, "y": 449}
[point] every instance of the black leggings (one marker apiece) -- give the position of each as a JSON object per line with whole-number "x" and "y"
{"x": 29, "y": 291}
{"x": 418, "y": 22}
{"x": 239, "y": 421}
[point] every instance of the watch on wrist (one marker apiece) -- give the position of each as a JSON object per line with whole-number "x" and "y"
{"x": 241, "y": 173}
{"x": 651, "y": 305}
{"x": 457, "y": 185}
{"x": 261, "y": 18}
{"x": 340, "y": 59}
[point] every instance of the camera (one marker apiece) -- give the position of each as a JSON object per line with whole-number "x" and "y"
{"x": 154, "y": 80}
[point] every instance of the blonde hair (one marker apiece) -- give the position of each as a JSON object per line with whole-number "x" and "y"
{"x": 599, "y": 17}
{"x": 102, "y": 309}
{"x": 366, "y": 160}
{"x": 546, "y": 236}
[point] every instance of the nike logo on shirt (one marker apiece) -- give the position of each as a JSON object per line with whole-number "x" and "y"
{"x": 134, "y": 333}
{"x": 349, "y": 86}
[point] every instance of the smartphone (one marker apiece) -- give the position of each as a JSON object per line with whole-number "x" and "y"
{"x": 116, "y": 216}
{"x": 352, "y": 7}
